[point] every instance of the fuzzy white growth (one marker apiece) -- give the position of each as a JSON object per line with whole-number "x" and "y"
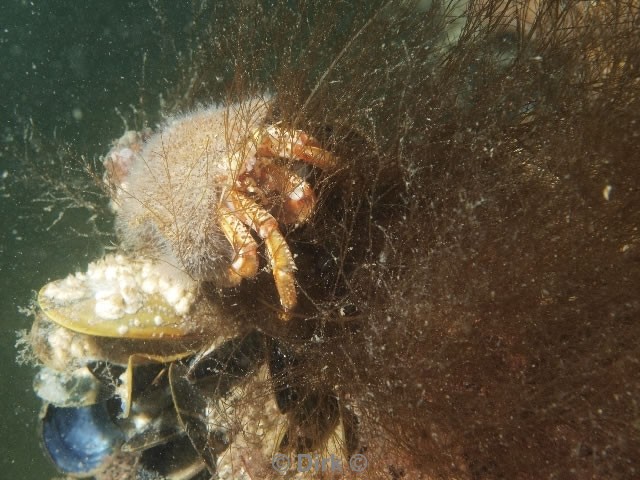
{"x": 65, "y": 347}
{"x": 149, "y": 285}
{"x": 67, "y": 389}
{"x": 168, "y": 203}
{"x": 183, "y": 305}
{"x": 70, "y": 289}
{"x": 173, "y": 294}
{"x": 110, "y": 308}
{"x": 60, "y": 348}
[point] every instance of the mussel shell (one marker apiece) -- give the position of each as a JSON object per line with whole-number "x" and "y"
{"x": 85, "y": 441}
{"x": 175, "y": 460}
{"x": 73, "y": 388}
{"x": 62, "y": 349}
{"x": 207, "y": 389}
{"x": 123, "y": 297}
{"x": 80, "y": 440}
{"x": 192, "y": 405}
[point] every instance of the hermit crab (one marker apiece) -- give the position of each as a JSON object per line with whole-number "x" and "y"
{"x": 193, "y": 194}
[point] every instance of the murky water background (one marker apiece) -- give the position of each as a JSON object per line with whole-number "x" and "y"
{"x": 67, "y": 69}
{"x": 74, "y": 75}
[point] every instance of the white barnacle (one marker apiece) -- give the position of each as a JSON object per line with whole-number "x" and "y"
{"x": 149, "y": 285}
{"x": 63, "y": 292}
{"x": 105, "y": 292}
{"x": 183, "y": 305}
{"x": 174, "y": 294}
{"x": 111, "y": 273}
{"x": 104, "y": 305}
{"x": 111, "y": 308}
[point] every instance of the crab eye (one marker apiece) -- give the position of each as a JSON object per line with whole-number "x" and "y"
{"x": 122, "y": 297}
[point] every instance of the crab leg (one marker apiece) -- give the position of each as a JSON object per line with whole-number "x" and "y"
{"x": 295, "y": 144}
{"x": 245, "y": 262}
{"x": 266, "y": 226}
{"x": 298, "y": 197}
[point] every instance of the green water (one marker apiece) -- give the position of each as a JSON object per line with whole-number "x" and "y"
{"x": 66, "y": 68}
{"x": 541, "y": 372}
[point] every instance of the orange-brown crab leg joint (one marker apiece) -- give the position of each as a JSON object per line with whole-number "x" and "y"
{"x": 297, "y": 145}
{"x": 282, "y": 264}
{"x": 245, "y": 262}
